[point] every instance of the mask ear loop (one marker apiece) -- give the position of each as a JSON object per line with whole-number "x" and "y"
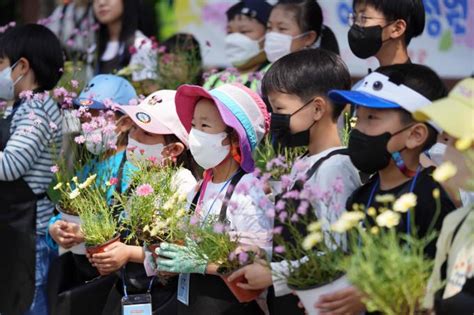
{"x": 235, "y": 152}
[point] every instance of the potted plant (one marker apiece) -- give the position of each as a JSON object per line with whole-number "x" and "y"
{"x": 212, "y": 242}
{"x": 155, "y": 212}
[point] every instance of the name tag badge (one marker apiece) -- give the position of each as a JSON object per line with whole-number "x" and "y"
{"x": 183, "y": 288}
{"x": 137, "y": 304}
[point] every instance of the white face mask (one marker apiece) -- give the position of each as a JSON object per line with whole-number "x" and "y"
{"x": 436, "y": 153}
{"x": 138, "y": 152}
{"x": 98, "y": 142}
{"x": 240, "y": 49}
{"x": 207, "y": 148}
{"x": 7, "y": 86}
{"x": 278, "y": 45}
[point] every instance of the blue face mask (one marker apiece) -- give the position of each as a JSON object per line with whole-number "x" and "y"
{"x": 7, "y": 85}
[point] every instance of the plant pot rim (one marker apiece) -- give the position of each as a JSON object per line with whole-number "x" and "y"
{"x": 63, "y": 211}
{"x": 316, "y": 286}
{"x": 112, "y": 240}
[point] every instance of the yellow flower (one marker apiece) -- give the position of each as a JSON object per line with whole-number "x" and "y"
{"x": 340, "y": 226}
{"x": 444, "y": 172}
{"x": 347, "y": 221}
{"x": 436, "y": 193}
{"x": 311, "y": 240}
{"x": 75, "y": 180}
{"x": 405, "y": 202}
{"x": 58, "y": 185}
{"x": 314, "y": 227}
{"x": 372, "y": 212}
{"x": 385, "y": 198}
{"x": 463, "y": 144}
{"x": 388, "y": 219}
{"x": 374, "y": 230}
{"x": 74, "y": 193}
{"x": 353, "y": 122}
{"x": 88, "y": 181}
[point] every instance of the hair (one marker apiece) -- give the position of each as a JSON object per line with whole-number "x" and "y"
{"x": 423, "y": 80}
{"x": 309, "y": 17}
{"x": 40, "y": 47}
{"x": 308, "y": 73}
{"x": 185, "y": 159}
{"x": 187, "y": 43}
{"x": 130, "y": 22}
{"x": 236, "y": 11}
{"x": 147, "y": 18}
{"x": 411, "y": 11}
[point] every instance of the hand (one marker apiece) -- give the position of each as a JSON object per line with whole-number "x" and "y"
{"x": 114, "y": 257}
{"x": 345, "y": 301}
{"x": 258, "y": 276}
{"x": 179, "y": 259}
{"x": 66, "y": 234}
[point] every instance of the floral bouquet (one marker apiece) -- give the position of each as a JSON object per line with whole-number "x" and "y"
{"x": 155, "y": 212}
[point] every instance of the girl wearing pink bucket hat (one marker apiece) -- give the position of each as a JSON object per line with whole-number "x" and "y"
{"x": 226, "y": 124}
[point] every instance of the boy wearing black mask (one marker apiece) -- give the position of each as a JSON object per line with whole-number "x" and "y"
{"x": 384, "y": 29}
{"x": 388, "y": 142}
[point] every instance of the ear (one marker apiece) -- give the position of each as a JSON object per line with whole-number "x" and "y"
{"x": 320, "y": 107}
{"x": 124, "y": 124}
{"x": 310, "y": 38}
{"x": 173, "y": 150}
{"x": 22, "y": 67}
{"x": 398, "y": 29}
{"x": 418, "y": 136}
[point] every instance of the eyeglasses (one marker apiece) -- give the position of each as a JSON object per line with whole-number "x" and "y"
{"x": 360, "y": 19}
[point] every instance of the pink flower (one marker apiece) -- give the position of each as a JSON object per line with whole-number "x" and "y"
{"x": 243, "y": 258}
{"x": 283, "y": 216}
{"x": 26, "y": 95}
{"x": 96, "y": 138}
{"x": 218, "y": 228}
{"x": 113, "y": 181}
{"x": 133, "y": 102}
{"x": 277, "y": 230}
{"x": 70, "y": 42}
{"x": 279, "y": 249}
{"x": 193, "y": 220}
{"x": 74, "y": 84}
{"x": 80, "y": 139}
{"x": 32, "y": 115}
{"x": 54, "y": 169}
{"x": 270, "y": 213}
{"x": 144, "y": 190}
{"x": 303, "y": 208}
{"x": 280, "y": 205}
{"x": 132, "y": 50}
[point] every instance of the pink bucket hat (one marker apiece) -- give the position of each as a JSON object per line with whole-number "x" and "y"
{"x": 240, "y": 108}
{"x": 157, "y": 114}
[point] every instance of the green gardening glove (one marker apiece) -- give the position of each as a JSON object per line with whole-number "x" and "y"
{"x": 179, "y": 259}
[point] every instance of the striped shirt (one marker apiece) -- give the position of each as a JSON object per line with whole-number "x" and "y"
{"x": 36, "y": 133}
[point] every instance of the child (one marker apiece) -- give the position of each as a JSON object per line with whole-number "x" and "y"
{"x": 296, "y": 86}
{"x": 384, "y": 29}
{"x": 244, "y": 45}
{"x": 295, "y": 25}
{"x": 454, "y": 249}
{"x": 121, "y": 44}
{"x": 108, "y": 152}
{"x": 388, "y": 142}
{"x": 157, "y": 132}
{"x": 31, "y": 62}
{"x": 226, "y": 124}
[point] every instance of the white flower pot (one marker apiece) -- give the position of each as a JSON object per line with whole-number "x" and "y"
{"x": 309, "y": 297}
{"x": 79, "y": 249}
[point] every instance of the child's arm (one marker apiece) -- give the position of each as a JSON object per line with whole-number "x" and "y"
{"x": 115, "y": 256}
{"x": 31, "y": 136}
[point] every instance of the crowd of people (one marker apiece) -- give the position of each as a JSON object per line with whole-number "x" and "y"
{"x": 91, "y": 86}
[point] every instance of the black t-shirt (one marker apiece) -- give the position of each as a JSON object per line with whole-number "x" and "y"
{"x": 425, "y": 209}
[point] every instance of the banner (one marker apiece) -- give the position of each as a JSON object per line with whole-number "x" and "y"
{"x": 447, "y": 44}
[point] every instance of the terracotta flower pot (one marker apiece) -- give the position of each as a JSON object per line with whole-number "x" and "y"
{"x": 79, "y": 249}
{"x": 242, "y": 295}
{"x": 152, "y": 248}
{"x": 310, "y": 296}
{"x": 100, "y": 248}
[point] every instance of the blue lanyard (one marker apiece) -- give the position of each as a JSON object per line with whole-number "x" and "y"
{"x": 218, "y": 194}
{"x": 125, "y": 285}
{"x": 412, "y": 187}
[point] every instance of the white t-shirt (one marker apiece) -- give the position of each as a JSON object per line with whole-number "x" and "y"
{"x": 144, "y": 61}
{"x": 246, "y": 219}
{"x": 184, "y": 181}
{"x": 336, "y": 167}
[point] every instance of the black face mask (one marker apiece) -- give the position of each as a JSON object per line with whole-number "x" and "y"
{"x": 280, "y": 127}
{"x": 365, "y": 42}
{"x": 369, "y": 153}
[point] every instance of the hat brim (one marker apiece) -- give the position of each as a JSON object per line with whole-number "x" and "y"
{"x": 442, "y": 112}
{"x": 361, "y": 99}
{"x": 186, "y": 98}
{"x": 140, "y": 116}
{"x": 89, "y": 103}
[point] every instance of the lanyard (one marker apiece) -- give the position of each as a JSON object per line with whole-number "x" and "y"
{"x": 412, "y": 187}
{"x": 203, "y": 191}
{"x": 125, "y": 285}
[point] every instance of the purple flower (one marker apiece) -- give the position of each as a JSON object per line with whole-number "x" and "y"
{"x": 26, "y": 95}
{"x": 243, "y": 258}
{"x": 303, "y": 208}
{"x": 294, "y": 217}
{"x": 277, "y": 230}
{"x": 54, "y": 169}
{"x": 80, "y": 139}
{"x": 193, "y": 220}
{"x": 283, "y": 216}
{"x": 294, "y": 194}
{"x": 270, "y": 213}
{"x": 232, "y": 256}
{"x": 218, "y": 228}
{"x": 242, "y": 189}
{"x": 280, "y": 205}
